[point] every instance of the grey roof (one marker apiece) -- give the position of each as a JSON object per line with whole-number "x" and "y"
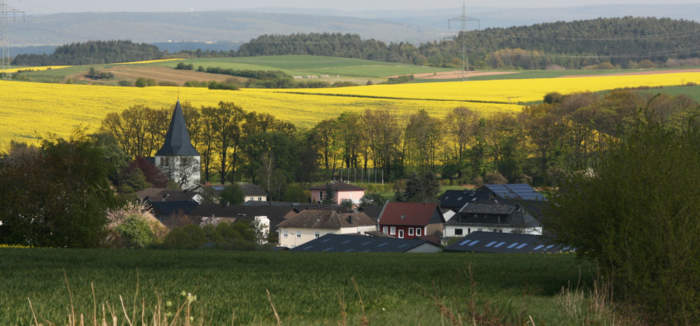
{"x": 518, "y": 191}
{"x": 359, "y": 243}
{"x": 456, "y": 199}
{"x": 494, "y": 214}
{"x": 325, "y": 219}
{"x": 250, "y": 189}
{"x": 274, "y": 213}
{"x": 177, "y": 140}
{"x": 493, "y": 242}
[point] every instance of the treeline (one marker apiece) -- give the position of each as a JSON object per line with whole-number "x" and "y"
{"x": 540, "y": 145}
{"x": 625, "y": 42}
{"x": 92, "y": 52}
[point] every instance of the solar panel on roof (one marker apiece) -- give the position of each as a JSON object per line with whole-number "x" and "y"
{"x": 403, "y": 245}
{"x": 565, "y": 248}
{"x": 549, "y": 247}
{"x": 308, "y": 247}
{"x": 325, "y": 240}
{"x": 539, "y": 247}
{"x": 499, "y": 245}
{"x": 491, "y": 244}
{"x": 381, "y": 245}
{"x": 346, "y": 242}
{"x": 348, "y": 250}
{"x": 461, "y": 244}
{"x": 473, "y": 243}
{"x": 522, "y": 246}
{"x": 328, "y": 249}
{"x": 513, "y": 245}
{"x": 366, "y": 243}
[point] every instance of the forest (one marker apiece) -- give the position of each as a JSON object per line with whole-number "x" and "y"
{"x": 625, "y": 42}
{"x": 93, "y": 52}
{"x": 541, "y": 145}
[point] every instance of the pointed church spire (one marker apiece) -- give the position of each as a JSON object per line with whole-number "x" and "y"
{"x": 177, "y": 140}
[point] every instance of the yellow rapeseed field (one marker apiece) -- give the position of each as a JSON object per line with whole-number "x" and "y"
{"x": 32, "y": 110}
{"x": 39, "y": 68}
{"x": 511, "y": 90}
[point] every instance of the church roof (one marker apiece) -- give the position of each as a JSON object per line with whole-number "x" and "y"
{"x": 177, "y": 140}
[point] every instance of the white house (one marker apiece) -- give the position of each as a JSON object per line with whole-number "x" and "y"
{"x": 252, "y": 192}
{"x": 492, "y": 217}
{"x": 310, "y": 224}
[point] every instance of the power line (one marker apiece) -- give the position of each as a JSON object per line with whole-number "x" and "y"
{"x": 463, "y": 20}
{"x": 7, "y": 16}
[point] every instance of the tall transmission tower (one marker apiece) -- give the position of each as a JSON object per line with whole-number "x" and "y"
{"x": 463, "y": 22}
{"x": 8, "y": 15}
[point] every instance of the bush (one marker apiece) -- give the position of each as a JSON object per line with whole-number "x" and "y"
{"x": 186, "y": 237}
{"x": 183, "y": 66}
{"x": 232, "y": 236}
{"x": 638, "y": 216}
{"x": 295, "y": 193}
{"x": 135, "y": 232}
{"x": 217, "y": 85}
{"x": 232, "y": 195}
{"x": 97, "y": 75}
{"x": 125, "y": 83}
{"x": 167, "y": 83}
{"x": 144, "y": 82}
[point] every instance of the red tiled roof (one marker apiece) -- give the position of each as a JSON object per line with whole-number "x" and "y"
{"x": 397, "y": 213}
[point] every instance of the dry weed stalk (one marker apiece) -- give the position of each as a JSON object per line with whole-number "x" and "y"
{"x": 277, "y": 316}
{"x": 365, "y": 320}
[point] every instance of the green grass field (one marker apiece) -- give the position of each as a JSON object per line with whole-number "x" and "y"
{"x": 690, "y": 91}
{"x": 306, "y": 289}
{"x": 302, "y": 65}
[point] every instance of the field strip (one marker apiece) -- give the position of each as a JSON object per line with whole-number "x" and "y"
{"x": 400, "y": 98}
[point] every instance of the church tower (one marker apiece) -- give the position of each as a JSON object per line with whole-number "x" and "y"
{"x": 178, "y": 159}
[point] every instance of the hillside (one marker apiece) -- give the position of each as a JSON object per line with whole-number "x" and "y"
{"x": 329, "y": 69}
{"x": 629, "y": 42}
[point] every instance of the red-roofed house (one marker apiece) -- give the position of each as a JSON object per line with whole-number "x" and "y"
{"x": 411, "y": 220}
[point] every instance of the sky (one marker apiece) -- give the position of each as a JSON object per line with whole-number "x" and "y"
{"x": 58, "y": 6}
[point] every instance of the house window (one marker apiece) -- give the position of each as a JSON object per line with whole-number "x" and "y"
{"x": 385, "y": 229}
{"x": 469, "y": 230}
{"x": 419, "y": 231}
{"x": 410, "y": 232}
{"x": 285, "y": 234}
{"x": 298, "y": 234}
{"x": 317, "y": 235}
{"x": 401, "y": 234}
{"x": 458, "y": 231}
{"x": 166, "y": 161}
{"x": 392, "y": 230}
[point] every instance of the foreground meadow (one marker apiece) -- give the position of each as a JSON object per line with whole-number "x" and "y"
{"x": 306, "y": 289}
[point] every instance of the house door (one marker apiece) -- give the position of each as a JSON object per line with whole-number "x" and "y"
{"x": 401, "y": 234}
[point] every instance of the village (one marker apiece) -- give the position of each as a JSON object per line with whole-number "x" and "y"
{"x": 338, "y": 217}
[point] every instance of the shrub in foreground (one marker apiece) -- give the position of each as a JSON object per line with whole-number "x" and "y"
{"x": 638, "y": 215}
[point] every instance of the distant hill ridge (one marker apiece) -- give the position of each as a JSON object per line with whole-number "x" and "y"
{"x": 624, "y": 41}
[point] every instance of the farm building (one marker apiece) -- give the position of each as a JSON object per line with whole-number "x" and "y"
{"x": 361, "y": 243}
{"x": 509, "y": 208}
{"x": 492, "y": 242}
{"x": 455, "y": 199}
{"x": 304, "y": 226}
{"x": 178, "y": 159}
{"x": 411, "y": 220}
{"x": 340, "y": 191}
{"x": 252, "y": 192}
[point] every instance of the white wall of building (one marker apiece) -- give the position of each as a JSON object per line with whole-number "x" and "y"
{"x": 451, "y": 230}
{"x": 293, "y": 237}
{"x": 262, "y": 224}
{"x": 184, "y": 170}
{"x": 255, "y": 198}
